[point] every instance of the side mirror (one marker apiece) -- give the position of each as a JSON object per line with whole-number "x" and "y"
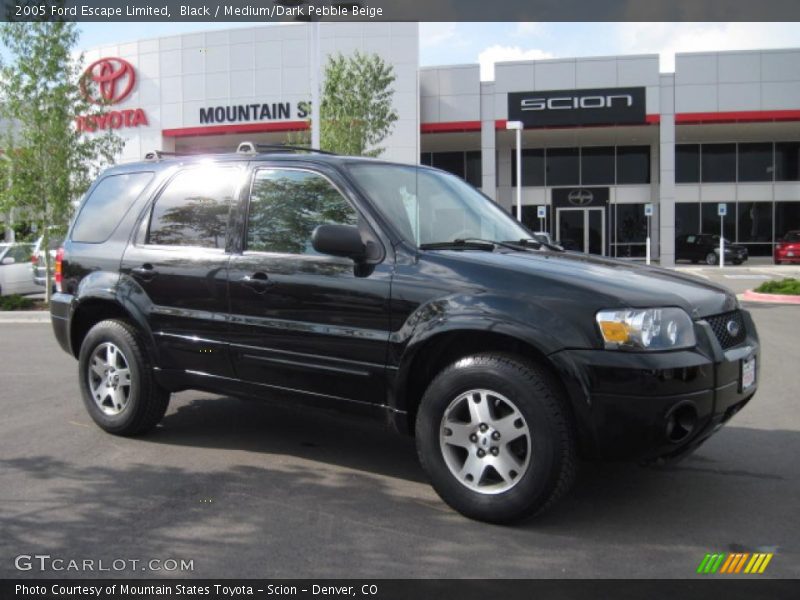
{"x": 339, "y": 240}
{"x": 8, "y": 260}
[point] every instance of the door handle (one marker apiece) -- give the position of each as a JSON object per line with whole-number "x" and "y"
{"x": 258, "y": 282}
{"x": 146, "y": 272}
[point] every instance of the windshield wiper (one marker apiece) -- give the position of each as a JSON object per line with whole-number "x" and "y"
{"x": 471, "y": 243}
{"x": 540, "y": 244}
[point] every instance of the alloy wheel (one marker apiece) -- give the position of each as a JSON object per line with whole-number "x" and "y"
{"x": 109, "y": 379}
{"x": 485, "y": 441}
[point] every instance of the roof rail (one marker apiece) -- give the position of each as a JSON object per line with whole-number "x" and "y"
{"x": 251, "y": 148}
{"x": 159, "y": 154}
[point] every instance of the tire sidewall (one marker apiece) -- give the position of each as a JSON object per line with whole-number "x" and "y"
{"x": 538, "y": 480}
{"x": 111, "y": 332}
{"x": 712, "y": 262}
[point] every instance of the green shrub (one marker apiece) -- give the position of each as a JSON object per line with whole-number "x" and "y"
{"x": 15, "y": 302}
{"x": 790, "y": 286}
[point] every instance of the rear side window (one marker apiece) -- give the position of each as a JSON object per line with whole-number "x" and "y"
{"x": 106, "y": 205}
{"x": 193, "y": 208}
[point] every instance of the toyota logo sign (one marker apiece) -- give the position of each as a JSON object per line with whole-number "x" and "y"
{"x": 580, "y": 197}
{"x": 108, "y": 81}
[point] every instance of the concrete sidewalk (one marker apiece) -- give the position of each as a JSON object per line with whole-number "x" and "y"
{"x": 25, "y": 316}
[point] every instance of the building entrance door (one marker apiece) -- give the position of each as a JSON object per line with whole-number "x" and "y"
{"x": 582, "y": 229}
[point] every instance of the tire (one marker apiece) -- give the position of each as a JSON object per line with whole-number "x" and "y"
{"x": 119, "y": 401}
{"x": 544, "y": 453}
{"x": 711, "y": 259}
{"x": 778, "y": 262}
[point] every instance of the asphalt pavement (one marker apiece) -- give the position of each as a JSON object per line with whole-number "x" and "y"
{"x": 246, "y": 489}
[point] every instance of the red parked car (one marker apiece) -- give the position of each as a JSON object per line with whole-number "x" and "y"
{"x": 788, "y": 249}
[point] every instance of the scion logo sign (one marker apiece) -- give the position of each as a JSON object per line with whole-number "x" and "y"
{"x": 580, "y": 197}
{"x": 578, "y": 107}
{"x": 105, "y": 82}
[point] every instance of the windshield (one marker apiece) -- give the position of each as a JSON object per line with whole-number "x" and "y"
{"x": 429, "y": 207}
{"x": 792, "y": 236}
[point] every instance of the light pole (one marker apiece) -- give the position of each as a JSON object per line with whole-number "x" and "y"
{"x": 518, "y": 127}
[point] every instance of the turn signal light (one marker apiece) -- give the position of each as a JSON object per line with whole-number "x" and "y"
{"x": 59, "y": 273}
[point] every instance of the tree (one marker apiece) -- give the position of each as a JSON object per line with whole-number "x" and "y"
{"x": 50, "y": 163}
{"x": 356, "y": 113}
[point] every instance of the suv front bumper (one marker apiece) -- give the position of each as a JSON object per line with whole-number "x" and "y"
{"x": 651, "y": 405}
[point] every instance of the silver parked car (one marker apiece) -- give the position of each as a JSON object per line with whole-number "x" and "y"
{"x": 39, "y": 269}
{"x": 15, "y": 270}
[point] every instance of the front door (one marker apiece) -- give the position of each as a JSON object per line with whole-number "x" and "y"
{"x": 582, "y": 229}
{"x": 301, "y": 321}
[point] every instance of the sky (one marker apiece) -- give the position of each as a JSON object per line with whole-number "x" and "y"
{"x": 486, "y": 43}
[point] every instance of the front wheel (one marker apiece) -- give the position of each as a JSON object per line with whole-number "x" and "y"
{"x": 494, "y": 437}
{"x": 711, "y": 259}
{"x": 116, "y": 376}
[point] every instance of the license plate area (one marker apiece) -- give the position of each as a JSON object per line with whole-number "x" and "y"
{"x": 747, "y": 377}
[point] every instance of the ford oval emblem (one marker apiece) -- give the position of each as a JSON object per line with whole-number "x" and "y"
{"x": 733, "y": 328}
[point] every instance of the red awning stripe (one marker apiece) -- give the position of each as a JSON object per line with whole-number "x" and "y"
{"x": 450, "y": 127}
{"x": 741, "y": 116}
{"x": 236, "y": 128}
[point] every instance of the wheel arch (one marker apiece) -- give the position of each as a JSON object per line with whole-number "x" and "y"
{"x": 88, "y": 311}
{"x": 427, "y": 357}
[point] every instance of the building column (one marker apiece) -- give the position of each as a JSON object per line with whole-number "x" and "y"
{"x": 488, "y": 142}
{"x": 666, "y": 180}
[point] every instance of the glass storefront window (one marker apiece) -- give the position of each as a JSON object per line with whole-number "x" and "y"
{"x": 787, "y": 161}
{"x": 474, "y": 168}
{"x": 452, "y": 162}
{"x": 755, "y": 221}
{"x": 633, "y": 164}
{"x": 563, "y": 167}
{"x": 529, "y": 218}
{"x": 631, "y": 230}
{"x": 718, "y": 163}
{"x": 597, "y": 165}
{"x": 687, "y": 163}
{"x": 687, "y": 218}
{"x": 710, "y": 220}
{"x": 787, "y": 218}
{"x": 532, "y": 167}
{"x": 755, "y": 162}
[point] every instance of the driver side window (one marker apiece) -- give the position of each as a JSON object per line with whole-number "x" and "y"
{"x": 286, "y": 205}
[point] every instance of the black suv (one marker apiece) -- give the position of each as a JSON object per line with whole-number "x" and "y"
{"x": 401, "y": 291}
{"x": 705, "y": 247}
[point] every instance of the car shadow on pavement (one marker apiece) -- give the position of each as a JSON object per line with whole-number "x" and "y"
{"x": 341, "y": 497}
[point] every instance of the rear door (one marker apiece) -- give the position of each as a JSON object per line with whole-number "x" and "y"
{"x": 175, "y": 269}
{"x": 301, "y": 321}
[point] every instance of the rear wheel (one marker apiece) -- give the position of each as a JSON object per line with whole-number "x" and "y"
{"x": 493, "y": 436}
{"x": 711, "y": 258}
{"x": 116, "y": 376}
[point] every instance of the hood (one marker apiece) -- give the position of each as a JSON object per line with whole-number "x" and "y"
{"x": 609, "y": 283}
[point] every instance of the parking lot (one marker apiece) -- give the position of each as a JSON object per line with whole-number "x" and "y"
{"x": 250, "y": 490}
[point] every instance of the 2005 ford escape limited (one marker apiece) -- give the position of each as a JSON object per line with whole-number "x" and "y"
{"x": 397, "y": 289}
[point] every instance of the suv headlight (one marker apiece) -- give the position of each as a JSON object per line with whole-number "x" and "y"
{"x": 646, "y": 328}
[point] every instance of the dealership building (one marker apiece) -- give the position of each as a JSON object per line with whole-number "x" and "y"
{"x": 606, "y": 140}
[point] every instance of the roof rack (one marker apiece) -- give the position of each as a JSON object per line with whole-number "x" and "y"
{"x": 251, "y": 148}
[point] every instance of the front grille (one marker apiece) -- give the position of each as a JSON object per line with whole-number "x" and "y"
{"x": 719, "y": 323}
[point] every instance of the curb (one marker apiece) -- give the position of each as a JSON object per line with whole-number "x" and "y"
{"x": 751, "y": 296}
{"x": 25, "y": 316}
